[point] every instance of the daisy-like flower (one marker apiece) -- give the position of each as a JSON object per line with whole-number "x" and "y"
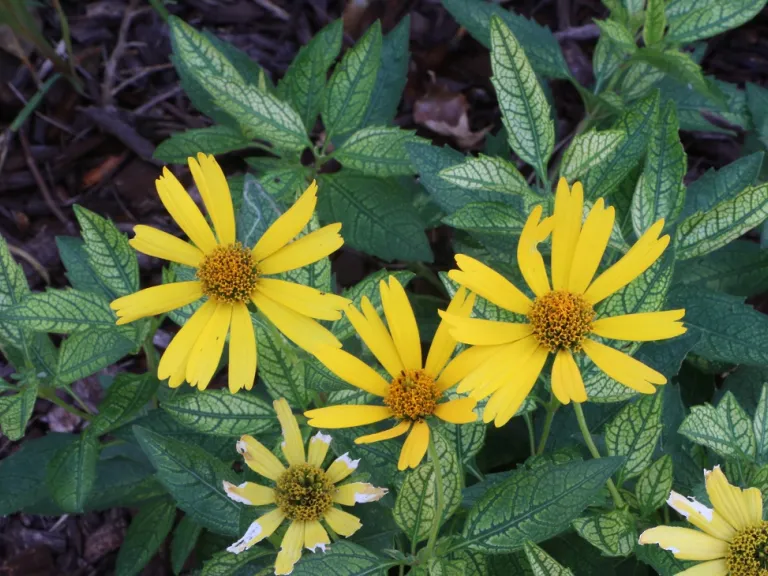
{"x": 413, "y": 396}
{"x": 731, "y": 539}
{"x": 229, "y": 276}
{"x": 562, "y": 315}
{"x": 304, "y": 493}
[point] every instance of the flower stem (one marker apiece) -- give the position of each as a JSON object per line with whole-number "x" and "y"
{"x": 531, "y": 437}
{"x": 50, "y": 395}
{"x": 617, "y": 499}
{"x": 552, "y": 407}
{"x": 439, "y": 494}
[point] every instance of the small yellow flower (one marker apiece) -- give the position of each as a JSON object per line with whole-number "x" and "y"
{"x": 304, "y": 493}
{"x": 561, "y": 316}
{"x": 414, "y": 393}
{"x": 230, "y": 275}
{"x": 732, "y": 538}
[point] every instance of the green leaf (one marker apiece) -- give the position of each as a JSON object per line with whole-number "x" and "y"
{"x": 257, "y": 212}
{"x": 739, "y": 268}
{"x": 61, "y": 311}
{"x": 680, "y": 66}
{"x": 618, "y": 34}
{"x": 216, "y": 140}
{"x": 487, "y": 173}
{"x": 655, "y": 22}
{"x": 660, "y": 192}
{"x": 248, "y": 563}
{"x": 109, "y": 254}
{"x": 757, "y": 100}
{"x": 726, "y": 429}
{"x": 144, "y": 536}
{"x": 634, "y": 433}
{"x": 639, "y": 80}
{"x": 304, "y": 81}
{"x": 542, "y": 563}
{"x": 284, "y": 183}
{"x": 613, "y": 533}
{"x": 86, "y": 353}
{"x": 760, "y": 425}
{"x": 534, "y": 504}
{"x": 475, "y": 15}
{"x": 589, "y": 150}
{"x": 121, "y": 482}
{"x": 663, "y": 561}
{"x": 16, "y": 409}
{"x": 183, "y": 543}
{"x": 525, "y": 111}
{"x": 127, "y": 395}
{"x": 704, "y": 232}
{"x": 343, "y": 558}
{"x": 280, "y": 367}
{"x": 607, "y": 58}
{"x": 693, "y": 107}
{"x": 79, "y": 272}
{"x": 654, "y": 484}
{"x": 193, "y": 477}
{"x": 71, "y": 473}
{"x": 221, "y": 413}
{"x": 377, "y": 151}
{"x": 349, "y": 90}
{"x": 691, "y": 20}
{"x": 490, "y": 222}
{"x": 377, "y": 216}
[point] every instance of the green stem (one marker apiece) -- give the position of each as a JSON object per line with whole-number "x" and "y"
{"x": 439, "y": 493}
{"x": 531, "y": 437}
{"x": 50, "y": 395}
{"x": 151, "y": 353}
{"x": 617, "y": 499}
{"x": 423, "y": 271}
{"x": 552, "y": 407}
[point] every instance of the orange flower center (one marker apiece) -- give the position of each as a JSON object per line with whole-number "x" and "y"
{"x": 228, "y": 274}
{"x": 304, "y": 492}
{"x": 412, "y": 395}
{"x": 560, "y": 320}
{"x": 748, "y": 552}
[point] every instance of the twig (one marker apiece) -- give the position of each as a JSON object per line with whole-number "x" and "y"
{"x": 140, "y": 74}
{"x": 108, "y": 119}
{"x": 276, "y": 10}
{"x": 586, "y": 32}
{"x": 149, "y": 104}
{"x": 39, "y": 268}
{"x": 111, "y": 66}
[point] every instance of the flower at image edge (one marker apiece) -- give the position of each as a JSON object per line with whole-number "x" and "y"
{"x": 304, "y": 493}
{"x": 229, "y": 276}
{"x": 562, "y": 315}
{"x": 414, "y": 393}
{"x": 732, "y": 537}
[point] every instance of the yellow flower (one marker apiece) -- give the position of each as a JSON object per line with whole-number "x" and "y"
{"x": 229, "y": 276}
{"x": 732, "y": 538}
{"x": 414, "y": 393}
{"x": 561, "y": 316}
{"x": 304, "y": 493}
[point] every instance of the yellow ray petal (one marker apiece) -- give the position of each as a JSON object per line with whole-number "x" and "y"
{"x": 175, "y": 356}
{"x": 305, "y": 300}
{"x": 357, "y": 493}
{"x": 290, "y": 548}
{"x": 206, "y": 352}
{"x": 489, "y": 284}
{"x": 733, "y": 504}
{"x": 401, "y": 322}
{"x": 259, "y": 459}
{"x": 499, "y": 368}
{"x": 463, "y": 364}
{"x": 302, "y": 331}
{"x": 641, "y": 327}
{"x": 685, "y": 544}
{"x": 401, "y": 428}
{"x": 315, "y": 536}
{"x": 250, "y": 493}
{"x": 155, "y": 300}
{"x": 352, "y": 370}
{"x": 288, "y": 225}
{"x": 154, "y": 242}
{"x": 702, "y": 517}
{"x": 372, "y": 331}
{"x": 569, "y": 204}
{"x": 293, "y": 445}
{"x": 415, "y": 446}
{"x": 711, "y": 568}
{"x": 305, "y": 250}
{"x": 341, "y": 522}
{"x": 590, "y": 246}
{"x": 529, "y": 258}
{"x": 481, "y": 332}
{"x": 184, "y": 211}
{"x": 623, "y": 368}
{"x": 214, "y": 190}
{"x": 263, "y": 527}
{"x": 459, "y": 411}
{"x": 346, "y": 416}
{"x": 567, "y": 383}
{"x": 340, "y": 468}
{"x": 518, "y": 388}
{"x": 318, "y": 448}
{"x": 443, "y": 344}
{"x": 243, "y": 357}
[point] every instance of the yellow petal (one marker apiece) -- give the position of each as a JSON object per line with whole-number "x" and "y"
{"x": 499, "y": 368}
{"x": 288, "y": 225}
{"x": 293, "y": 446}
{"x": 302, "y": 331}
{"x": 263, "y": 527}
{"x": 489, "y": 284}
{"x": 443, "y": 344}
{"x": 415, "y": 446}
{"x": 685, "y": 544}
{"x": 305, "y": 250}
{"x": 250, "y": 493}
{"x": 290, "y": 548}
{"x": 154, "y": 242}
{"x": 184, "y": 211}
{"x": 401, "y": 322}
{"x": 177, "y": 353}
{"x": 305, "y": 300}
{"x": 481, "y": 332}
{"x": 569, "y": 204}
{"x": 623, "y": 368}
{"x": 214, "y": 190}
{"x": 401, "y": 428}
{"x": 346, "y": 416}
{"x": 372, "y": 331}
{"x": 567, "y": 383}
{"x": 340, "y": 468}
{"x": 459, "y": 411}
{"x": 341, "y": 522}
{"x": 206, "y": 352}
{"x": 509, "y": 402}
{"x": 358, "y": 492}
{"x": 590, "y": 247}
{"x": 259, "y": 459}
{"x": 637, "y": 260}
{"x": 352, "y": 370}
{"x": 318, "y": 448}
{"x": 738, "y": 507}
{"x": 711, "y": 568}
{"x": 702, "y": 517}
{"x": 641, "y": 327}
{"x": 315, "y": 536}
{"x": 528, "y": 256}
{"x": 465, "y": 363}
{"x": 155, "y": 300}
{"x": 243, "y": 357}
